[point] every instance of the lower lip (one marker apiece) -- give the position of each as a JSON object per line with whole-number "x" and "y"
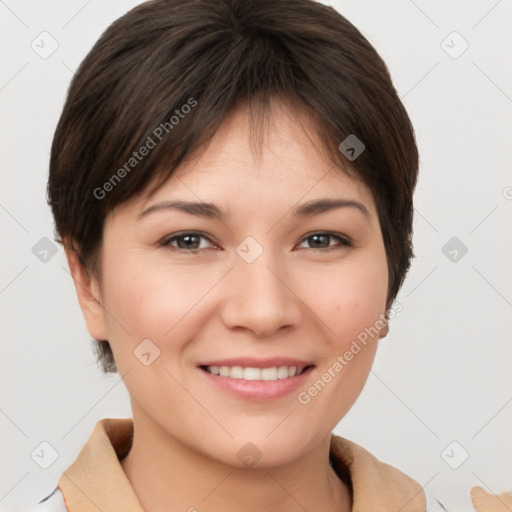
{"x": 258, "y": 389}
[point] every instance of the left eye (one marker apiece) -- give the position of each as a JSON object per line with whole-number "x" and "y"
{"x": 321, "y": 241}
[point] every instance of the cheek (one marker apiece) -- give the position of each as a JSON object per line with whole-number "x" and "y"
{"x": 149, "y": 300}
{"x": 348, "y": 298}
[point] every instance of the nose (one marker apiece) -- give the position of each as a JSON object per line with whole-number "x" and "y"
{"x": 260, "y": 298}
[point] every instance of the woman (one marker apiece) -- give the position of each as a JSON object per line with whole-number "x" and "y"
{"x": 232, "y": 183}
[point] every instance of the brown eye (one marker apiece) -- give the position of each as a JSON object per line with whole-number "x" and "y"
{"x": 188, "y": 242}
{"x": 322, "y": 241}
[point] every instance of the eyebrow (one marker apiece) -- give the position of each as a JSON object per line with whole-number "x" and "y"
{"x": 210, "y": 210}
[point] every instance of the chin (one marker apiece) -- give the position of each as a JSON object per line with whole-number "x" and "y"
{"x": 258, "y": 449}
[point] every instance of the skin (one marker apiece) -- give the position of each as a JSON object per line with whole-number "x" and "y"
{"x": 296, "y": 299}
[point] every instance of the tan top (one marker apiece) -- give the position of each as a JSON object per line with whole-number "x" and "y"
{"x": 96, "y": 480}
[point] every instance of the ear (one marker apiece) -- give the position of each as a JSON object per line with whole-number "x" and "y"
{"x": 384, "y": 331}
{"x": 88, "y": 292}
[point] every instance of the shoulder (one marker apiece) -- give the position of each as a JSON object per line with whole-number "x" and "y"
{"x": 372, "y": 479}
{"x": 54, "y": 502}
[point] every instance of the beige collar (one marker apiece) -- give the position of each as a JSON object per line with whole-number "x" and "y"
{"x": 96, "y": 480}
{"x": 375, "y": 485}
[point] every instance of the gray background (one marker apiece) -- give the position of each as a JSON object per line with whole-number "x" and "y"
{"x": 442, "y": 374}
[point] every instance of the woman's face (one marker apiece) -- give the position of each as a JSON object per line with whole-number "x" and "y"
{"x": 261, "y": 278}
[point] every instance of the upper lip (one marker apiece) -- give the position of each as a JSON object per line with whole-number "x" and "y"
{"x": 252, "y": 362}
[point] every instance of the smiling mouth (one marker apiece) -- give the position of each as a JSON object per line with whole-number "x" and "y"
{"x": 261, "y": 374}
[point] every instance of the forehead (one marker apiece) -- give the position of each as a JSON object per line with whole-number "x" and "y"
{"x": 282, "y": 156}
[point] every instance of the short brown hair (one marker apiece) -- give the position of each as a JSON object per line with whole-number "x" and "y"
{"x": 213, "y": 55}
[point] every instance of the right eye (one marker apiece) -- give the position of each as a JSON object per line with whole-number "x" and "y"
{"x": 189, "y": 241}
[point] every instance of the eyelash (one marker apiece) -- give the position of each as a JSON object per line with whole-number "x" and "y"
{"x": 344, "y": 241}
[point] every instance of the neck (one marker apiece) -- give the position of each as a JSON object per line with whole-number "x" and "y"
{"x": 167, "y": 475}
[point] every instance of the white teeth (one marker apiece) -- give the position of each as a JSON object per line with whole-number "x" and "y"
{"x": 236, "y": 372}
{"x": 252, "y": 374}
{"x": 239, "y": 372}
